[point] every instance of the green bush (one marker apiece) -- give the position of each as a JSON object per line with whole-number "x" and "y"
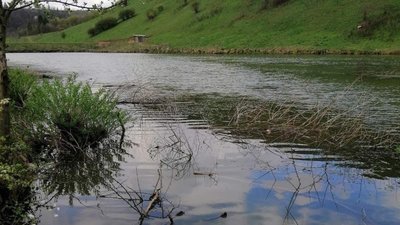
{"x": 92, "y": 32}
{"x": 16, "y": 177}
{"x": 69, "y": 114}
{"x": 276, "y": 3}
{"x": 21, "y": 85}
{"x": 103, "y": 25}
{"x": 126, "y": 14}
{"x": 106, "y": 23}
{"x": 272, "y": 3}
{"x": 160, "y": 8}
{"x": 196, "y": 7}
{"x": 151, "y": 14}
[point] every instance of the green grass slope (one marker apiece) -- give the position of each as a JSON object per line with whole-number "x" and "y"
{"x": 296, "y": 24}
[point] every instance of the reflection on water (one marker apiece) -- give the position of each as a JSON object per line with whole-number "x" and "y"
{"x": 210, "y": 177}
{"x": 307, "y": 80}
{"x": 81, "y": 171}
{"x": 253, "y": 183}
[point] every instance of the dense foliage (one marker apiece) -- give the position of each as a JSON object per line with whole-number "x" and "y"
{"x": 70, "y": 114}
{"x": 126, "y": 14}
{"x": 33, "y": 21}
{"x": 21, "y": 83}
{"x": 103, "y": 25}
{"x": 64, "y": 124}
{"x": 16, "y": 177}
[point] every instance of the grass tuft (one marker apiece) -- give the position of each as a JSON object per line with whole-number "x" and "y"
{"x": 69, "y": 113}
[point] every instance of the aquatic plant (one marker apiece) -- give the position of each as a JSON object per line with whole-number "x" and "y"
{"x": 70, "y": 115}
{"x": 319, "y": 126}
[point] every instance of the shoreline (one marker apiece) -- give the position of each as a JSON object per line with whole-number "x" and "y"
{"x": 117, "y": 47}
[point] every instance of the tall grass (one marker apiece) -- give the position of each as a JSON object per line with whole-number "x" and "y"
{"x": 68, "y": 113}
{"x": 21, "y": 85}
{"x": 320, "y": 126}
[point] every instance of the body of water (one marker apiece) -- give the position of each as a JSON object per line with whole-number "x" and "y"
{"x": 208, "y": 177}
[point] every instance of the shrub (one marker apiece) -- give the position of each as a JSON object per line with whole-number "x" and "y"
{"x": 21, "y": 85}
{"x": 272, "y": 3}
{"x": 16, "y": 177}
{"x": 103, "y": 25}
{"x": 214, "y": 12}
{"x": 183, "y": 4}
{"x": 151, "y": 14}
{"x": 196, "y": 7}
{"x": 63, "y": 35}
{"x": 92, "y": 32}
{"x": 68, "y": 114}
{"x": 126, "y": 14}
{"x": 106, "y": 23}
{"x": 276, "y": 3}
{"x": 160, "y": 8}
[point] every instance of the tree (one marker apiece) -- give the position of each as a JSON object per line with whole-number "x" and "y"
{"x": 6, "y": 9}
{"x": 42, "y": 22}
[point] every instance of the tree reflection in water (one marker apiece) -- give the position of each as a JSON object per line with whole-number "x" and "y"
{"x": 317, "y": 189}
{"x": 174, "y": 153}
{"x": 82, "y": 170}
{"x": 286, "y": 184}
{"x": 94, "y": 170}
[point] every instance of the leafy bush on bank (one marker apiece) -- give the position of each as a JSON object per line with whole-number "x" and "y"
{"x": 16, "y": 177}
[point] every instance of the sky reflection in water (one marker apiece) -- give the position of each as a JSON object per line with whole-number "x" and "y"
{"x": 252, "y": 182}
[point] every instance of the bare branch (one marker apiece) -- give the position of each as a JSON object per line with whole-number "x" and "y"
{"x": 21, "y": 4}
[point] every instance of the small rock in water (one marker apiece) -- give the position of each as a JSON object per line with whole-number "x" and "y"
{"x": 224, "y": 215}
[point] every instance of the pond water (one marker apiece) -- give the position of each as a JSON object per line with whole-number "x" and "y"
{"x": 216, "y": 178}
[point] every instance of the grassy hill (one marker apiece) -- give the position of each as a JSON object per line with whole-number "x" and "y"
{"x": 359, "y": 25}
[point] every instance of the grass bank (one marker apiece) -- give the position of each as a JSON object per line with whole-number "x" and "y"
{"x": 122, "y": 47}
{"x": 238, "y": 27}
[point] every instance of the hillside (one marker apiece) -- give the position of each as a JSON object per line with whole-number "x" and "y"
{"x": 360, "y": 25}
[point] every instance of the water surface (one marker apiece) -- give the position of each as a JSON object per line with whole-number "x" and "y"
{"x": 253, "y": 182}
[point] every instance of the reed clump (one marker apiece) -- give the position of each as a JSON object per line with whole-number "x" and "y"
{"x": 323, "y": 127}
{"x": 319, "y": 126}
{"x": 65, "y": 114}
